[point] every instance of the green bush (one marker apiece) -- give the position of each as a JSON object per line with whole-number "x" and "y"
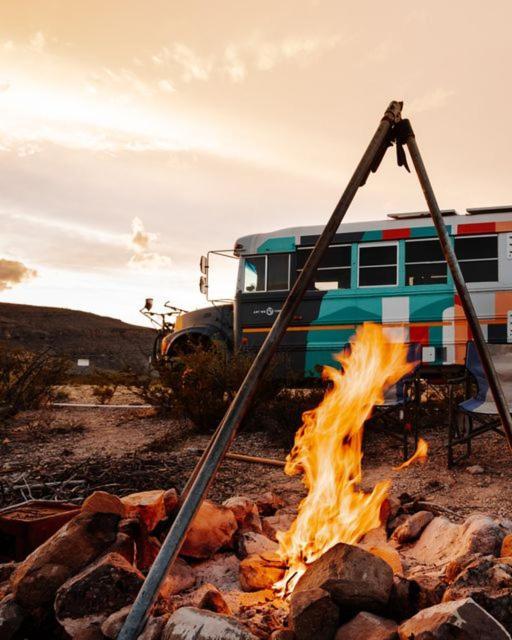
{"x": 202, "y": 383}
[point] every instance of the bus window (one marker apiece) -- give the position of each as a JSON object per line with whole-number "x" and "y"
{"x": 424, "y": 262}
{"x": 270, "y": 272}
{"x": 278, "y": 272}
{"x": 334, "y": 269}
{"x": 478, "y": 257}
{"x": 254, "y": 274}
{"x": 378, "y": 265}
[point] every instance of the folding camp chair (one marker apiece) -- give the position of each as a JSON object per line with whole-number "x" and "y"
{"x": 397, "y": 414}
{"x": 478, "y": 414}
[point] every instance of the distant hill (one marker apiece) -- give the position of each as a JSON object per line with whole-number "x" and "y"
{"x": 107, "y": 343}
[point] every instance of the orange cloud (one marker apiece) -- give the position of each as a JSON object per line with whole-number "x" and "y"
{"x": 13, "y": 272}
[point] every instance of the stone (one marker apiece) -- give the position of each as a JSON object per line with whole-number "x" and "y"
{"x": 453, "y": 568}
{"x": 282, "y": 520}
{"x": 506, "y": 546}
{"x": 457, "y": 620}
{"x": 268, "y": 503}
{"x": 114, "y": 623}
{"x": 283, "y": 634}
{"x": 260, "y": 571}
{"x": 443, "y": 541}
{"x": 189, "y": 623}
{"x": 390, "y": 555}
{"x": 149, "y": 506}
{"x": 103, "y": 502}
{"x": 154, "y": 628}
{"x": 12, "y": 616}
{"x": 147, "y": 549}
{"x": 481, "y": 534}
{"x": 171, "y": 500}
{"x": 431, "y": 588}
{"x": 101, "y": 589}
{"x": 476, "y": 469}
{"x": 368, "y": 626}
{"x": 210, "y": 598}
{"x": 212, "y": 529}
{"x": 313, "y": 614}
{"x": 356, "y": 579}
{"x": 412, "y": 527}
{"x": 6, "y": 570}
{"x": 245, "y": 512}
{"x": 249, "y": 543}
{"x": 76, "y": 544}
{"x": 403, "y": 601}
{"x": 124, "y": 546}
{"x": 389, "y": 509}
{"x": 488, "y": 581}
{"x": 180, "y": 578}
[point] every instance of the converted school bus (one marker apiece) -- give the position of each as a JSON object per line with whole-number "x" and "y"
{"x": 391, "y": 272}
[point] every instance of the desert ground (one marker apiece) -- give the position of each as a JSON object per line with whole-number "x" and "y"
{"x": 67, "y": 452}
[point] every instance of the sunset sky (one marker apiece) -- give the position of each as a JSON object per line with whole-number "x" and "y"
{"x": 136, "y": 135}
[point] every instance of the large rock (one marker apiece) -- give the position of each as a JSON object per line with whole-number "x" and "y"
{"x": 442, "y": 541}
{"x": 368, "y": 626}
{"x": 79, "y": 542}
{"x": 101, "y": 589}
{"x": 506, "y": 546}
{"x": 180, "y": 578}
{"x": 189, "y": 623}
{"x": 412, "y": 527}
{"x": 313, "y": 614}
{"x": 282, "y": 520}
{"x": 261, "y": 571}
{"x": 458, "y": 620}
{"x": 249, "y": 543}
{"x": 208, "y": 597}
{"x": 104, "y": 502}
{"x": 268, "y": 503}
{"x": 356, "y": 579}
{"x": 245, "y": 512}
{"x": 149, "y": 506}
{"x": 488, "y": 581}
{"x": 212, "y": 529}
{"x": 12, "y": 617}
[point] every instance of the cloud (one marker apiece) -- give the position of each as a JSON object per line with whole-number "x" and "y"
{"x": 434, "y": 99}
{"x": 237, "y": 59}
{"x": 13, "y": 272}
{"x": 166, "y": 86}
{"x": 144, "y": 257}
{"x": 38, "y": 42}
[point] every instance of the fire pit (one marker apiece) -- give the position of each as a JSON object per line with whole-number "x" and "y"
{"x": 341, "y": 563}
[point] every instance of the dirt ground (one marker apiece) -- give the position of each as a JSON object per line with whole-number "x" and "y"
{"x": 65, "y": 453}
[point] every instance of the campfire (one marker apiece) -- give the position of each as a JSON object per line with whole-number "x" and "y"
{"x": 342, "y": 563}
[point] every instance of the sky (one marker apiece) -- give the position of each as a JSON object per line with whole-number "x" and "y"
{"x": 137, "y": 135}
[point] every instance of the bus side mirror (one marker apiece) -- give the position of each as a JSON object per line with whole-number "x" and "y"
{"x": 203, "y": 285}
{"x": 148, "y": 305}
{"x": 203, "y": 265}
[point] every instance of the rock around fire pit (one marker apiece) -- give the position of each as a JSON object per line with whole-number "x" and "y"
{"x": 418, "y": 576}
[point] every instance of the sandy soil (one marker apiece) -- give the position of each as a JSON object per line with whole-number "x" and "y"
{"x": 124, "y": 450}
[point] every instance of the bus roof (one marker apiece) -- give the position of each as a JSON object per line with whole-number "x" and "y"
{"x": 414, "y": 225}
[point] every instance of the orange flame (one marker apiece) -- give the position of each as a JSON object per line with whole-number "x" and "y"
{"x": 420, "y": 455}
{"x": 327, "y": 450}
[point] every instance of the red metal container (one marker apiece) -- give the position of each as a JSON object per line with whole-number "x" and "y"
{"x": 24, "y": 527}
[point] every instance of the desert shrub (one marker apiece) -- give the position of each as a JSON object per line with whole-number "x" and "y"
{"x": 105, "y": 383}
{"x": 29, "y": 380}
{"x": 203, "y": 382}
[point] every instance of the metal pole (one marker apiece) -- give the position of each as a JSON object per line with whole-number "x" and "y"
{"x": 203, "y": 476}
{"x": 460, "y": 284}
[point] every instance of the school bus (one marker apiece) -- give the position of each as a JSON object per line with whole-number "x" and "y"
{"x": 389, "y": 271}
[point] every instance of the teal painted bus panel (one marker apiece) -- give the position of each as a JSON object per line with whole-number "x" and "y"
{"x": 277, "y": 245}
